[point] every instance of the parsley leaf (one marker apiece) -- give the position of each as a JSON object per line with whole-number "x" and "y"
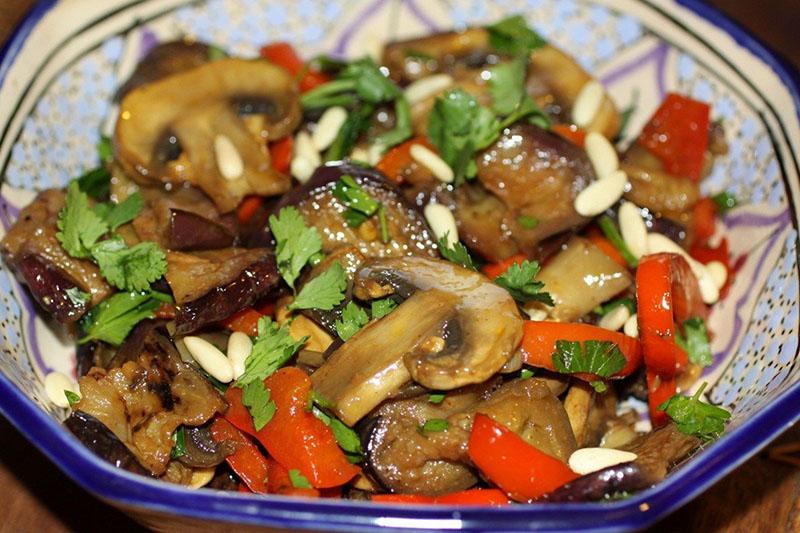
{"x": 346, "y": 437}
{"x": 325, "y": 292}
{"x": 526, "y": 373}
{"x": 725, "y": 201}
{"x": 434, "y": 425}
{"x": 113, "y": 318}
{"x": 381, "y": 308}
{"x": 356, "y": 123}
{"x": 436, "y": 397}
{"x": 606, "y": 308}
{"x": 105, "y": 148}
{"x": 79, "y": 226}
{"x": 527, "y": 222}
{"x": 296, "y": 243}
{"x": 96, "y": 182}
{"x": 599, "y": 386}
{"x": 299, "y": 481}
{"x": 458, "y": 254}
{"x": 78, "y": 297}
{"x": 216, "y": 52}
{"x": 693, "y": 417}
{"x": 130, "y": 269}
{"x": 459, "y": 126}
{"x": 360, "y": 205}
{"x": 272, "y": 348}
{"x": 402, "y": 125}
{"x": 612, "y": 234}
{"x": 696, "y": 343}
{"x": 353, "y": 319}
{"x": 72, "y": 398}
{"x": 255, "y": 396}
{"x": 370, "y": 83}
{"x": 513, "y": 36}
{"x": 519, "y": 280}
{"x": 601, "y": 358}
{"x": 507, "y": 85}
{"x": 124, "y": 212}
{"x": 179, "y": 440}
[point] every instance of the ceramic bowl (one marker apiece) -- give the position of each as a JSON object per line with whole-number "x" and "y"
{"x": 59, "y": 73}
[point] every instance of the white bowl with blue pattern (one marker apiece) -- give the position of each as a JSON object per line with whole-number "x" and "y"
{"x": 59, "y": 72}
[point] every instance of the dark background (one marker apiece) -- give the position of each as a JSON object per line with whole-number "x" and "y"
{"x": 762, "y": 495}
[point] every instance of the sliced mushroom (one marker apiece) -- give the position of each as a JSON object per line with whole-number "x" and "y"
{"x": 166, "y": 59}
{"x": 199, "y": 109}
{"x": 456, "y": 328}
{"x": 581, "y": 277}
{"x": 408, "y": 231}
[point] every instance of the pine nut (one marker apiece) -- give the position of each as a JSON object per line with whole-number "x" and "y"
{"x": 229, "y": 162}
{"x": 588, "y": 460}
{"x": 426, "y": 87}
{"x": 55, "y": 384}
{"x": 201, "y": 477}
{"x": 432, "y": 162}
{"x": 304, "y": 147}
{"x": 209, "y": 358}
{"x": 615, "y": 319}
{"x": 442, "y": 223}
{"x": 328, "y": 127}
{"x": 633, "y": 229}
{"x": 302, "y": 169}
{"x": 657, "y": 243}
{"x": 601, "y": 194}
{"x": 718, "y": 272}
{"x": 239, "y": 348}
{"x": 631, "y": 327}
{"x": 708, "y": 289}
{"x": 602, "y": 154}
{"x": 536, "y": 314}
{"x": 588, "y": 103}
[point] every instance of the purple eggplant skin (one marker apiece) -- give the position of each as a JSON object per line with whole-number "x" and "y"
{"x": 600, "y": 485}
{"x": 189, "y": 231}
{"x": 102, "y": 442}
{"x": 253, "y": 282}
{"x": 201, "y": 450}
{"x": 53, "y": 289}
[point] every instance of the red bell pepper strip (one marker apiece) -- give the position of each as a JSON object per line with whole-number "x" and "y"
{"x": 512, "y": 464}
{"x": 279, "y": 482}
{"x": 597, "y": 238}
{"x": 539, "y": 342}
{"x": 678, "y": 135}
{"x": 704, "y": 215}
{"x": 493, "y": 270}
{"x": 659, "y": 390}
{"x": 245, "y": 321}
{"x": 248, "y": 463}
{"x": 395, "y": 162}
{"x": 248, "y": 207}
{"x": 299, "y": 440}
{"x": 280, "y": 152}
{"x": 570, "y": 132}
{"x": 284, "y": 55}
{"x": 464, "y": 497}
{"x": 237, "y": 414}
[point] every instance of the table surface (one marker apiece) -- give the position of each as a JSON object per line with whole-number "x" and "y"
{"x": 761, "y": 495}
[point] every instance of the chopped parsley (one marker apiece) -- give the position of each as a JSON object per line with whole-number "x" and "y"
{"x": 105, "y": 149}
{"x": 384, "y": 225}
{"x": 272, "y": 348}
{"x": 527, "y": 222}
{"x": 520, "y": 281}
{"x": 381, "y": 308}
{"x": 129, "y": 269}
{"x": 216, "y": 52}
{"x": 325, "y": 292}
{"x": 347, "y": 439}
{"x": 600, "y": 358}
{"x": 116, "y": 215}
{"x": 370, "y": 83}
{"x": 299, "y": 481}
{"x": 296, "y": 243}
{"x": 510, "y": 97}
{"x": 96, "y": 182}
{"x": 113, "y": 318}
{"x": 599, "y": 386}
{"x": 434, "y": 425}
{"x": 526, "y": 373}
{"x": 695, "y": 343}
{"x": 458, "y": 254}
{"x": 256, "y": 397}
{"x": 402, "y": 125}
{"x": 436, "y": 397}
{"x": 179, "y": 443}
{"x": 72, "y": 398}
{"x": 79, "y": 226}
{"x": 360, "y": 205}
{"x": 693, "y": 417}
{"x": 77, "y": 296}
{"x": 725, "y": 201}
{"x": 612, "y": 234}
{"x": 604, "y": 309}
{"x": 356, "y": 123}
{"x": 513, "y": 36}
{"x": 353, "y": 319}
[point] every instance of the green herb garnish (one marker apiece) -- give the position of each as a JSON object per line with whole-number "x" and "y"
{"x": 696, "y": 343}
{"x": 353, "y": 319}
{"x": 272, "y": 348}
{"x": 325, "y": 292}
{"x": 129, "y": 269}
{"x": 299, "y": 481}
{"x": 612, "y": 234}
{"x": 296, "y": 244}
{"x": 527, "y": 222}
{"x": 693, "y": 417}
{"x": 458, "y": 254}
{"x": 725, "y": 201}
{"x": 600, "y": 358}
{"x": 434, "y": 425}
{"x": 513, "y": 36}
{"x": 113, "y": 318}
{"x": 520, "y": 281}
{"x": 179, "y": 443}
{"x": 256, "y": 397}
{"x": 381, "y": 308}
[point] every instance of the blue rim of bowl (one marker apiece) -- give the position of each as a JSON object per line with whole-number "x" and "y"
{"x": 137, "y": 492}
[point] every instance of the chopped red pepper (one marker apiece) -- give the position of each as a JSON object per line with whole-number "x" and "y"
{"x": 280, "y": 152}
{"x": 464, "y": 497}
{"x": 539, "y": 342}
{"x": 704, "y": 215}
{"x": 283, "y": 54}
{"x": 493, "y": 270}
{"x": 570, "y": 132}
{"x": 659, "y": 390}
{"x": 597, "y": 238}
{"x": 519, "y": 469}
{"x": 245, "y": 321}
{"x": 247, "y": 461}
{"x": 678, "y": 135}
{"x": 395, "y": 162}
{"x": 249, "y": 207}
{"x": 237, "y": 414}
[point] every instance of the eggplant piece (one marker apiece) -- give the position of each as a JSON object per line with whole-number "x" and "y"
{"x": 201, "y": 450}
{"x": 52, "y": 289}
{"x": 189, "y": 231}
{"x": 535, "y": 174}
{"x": 408, "y": 231}
{"x": 581, "y": 277}
{"x": 163, "y": 60}
{"x": 243, "y": 278}
{"x": 102, "y": 442}
{"x": 603, "y": 484}
{"x": 201, "y": 109}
